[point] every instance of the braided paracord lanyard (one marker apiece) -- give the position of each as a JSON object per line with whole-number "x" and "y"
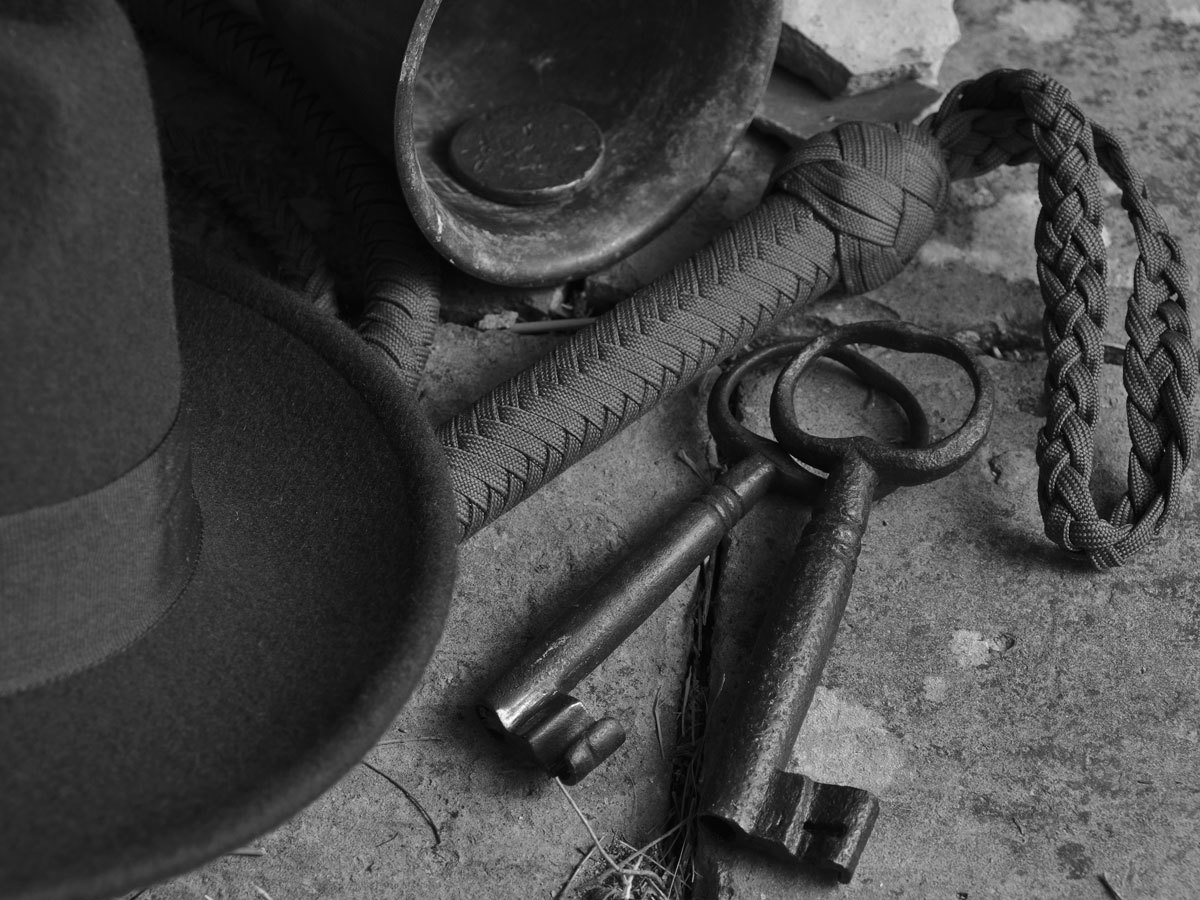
{"x": 848, "y": 210}
{"x": 1009, "y": 117}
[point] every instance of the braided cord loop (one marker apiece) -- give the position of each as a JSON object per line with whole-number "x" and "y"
{"x": 848, "y": 210}
{"x": 1010, "y": 117}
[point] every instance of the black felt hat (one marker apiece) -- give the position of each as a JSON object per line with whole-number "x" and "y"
{"x": 226, "y": 538}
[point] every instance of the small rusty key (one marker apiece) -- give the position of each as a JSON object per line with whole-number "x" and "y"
{"x": 748, "y": 793}
{"x": 530, "y": 706}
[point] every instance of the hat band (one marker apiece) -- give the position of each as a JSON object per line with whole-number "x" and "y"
{"x": 82, "y": 579}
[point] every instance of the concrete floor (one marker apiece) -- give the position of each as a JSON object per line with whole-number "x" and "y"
{"x": 1030, "y": 725}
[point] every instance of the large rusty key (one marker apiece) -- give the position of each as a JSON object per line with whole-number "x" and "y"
{"x": 748, "y": 793}
{"x": 530, "y": 705}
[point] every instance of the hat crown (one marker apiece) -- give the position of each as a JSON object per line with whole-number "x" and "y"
{"x": 89, "y": 360}
{"x": 99, "y": 528}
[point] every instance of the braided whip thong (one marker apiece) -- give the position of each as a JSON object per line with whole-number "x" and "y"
{"x": 848, "y": 211}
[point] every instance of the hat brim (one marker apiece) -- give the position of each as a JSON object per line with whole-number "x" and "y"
{"x": 321, "y": 590}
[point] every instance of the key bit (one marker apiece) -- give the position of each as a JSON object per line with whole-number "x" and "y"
{"x": 557, "y": 734}
{"x": 825, "y": 825}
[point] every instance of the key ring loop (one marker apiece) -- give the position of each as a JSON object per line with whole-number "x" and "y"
{"x": 896, "y": 464}
{"x": 737, "y": 441}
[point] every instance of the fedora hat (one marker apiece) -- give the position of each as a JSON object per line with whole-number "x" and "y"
{"x": 226, "y": 537}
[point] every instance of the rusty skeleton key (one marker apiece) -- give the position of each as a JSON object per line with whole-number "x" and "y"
{"x": 530, "y": 705}
{"x": 749, "y": 794}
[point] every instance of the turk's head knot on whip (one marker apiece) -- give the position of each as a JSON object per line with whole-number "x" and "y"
{"x": 879, "y": 188}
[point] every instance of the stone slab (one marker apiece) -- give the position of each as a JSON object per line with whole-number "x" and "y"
{"x": 860, "y": 45}
{"x": 793, "y": 110}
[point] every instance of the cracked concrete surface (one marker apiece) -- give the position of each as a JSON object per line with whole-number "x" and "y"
{"x": 1029, "y": 723}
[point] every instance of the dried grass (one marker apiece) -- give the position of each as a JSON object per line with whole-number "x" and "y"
{"x": 664, "y": 869}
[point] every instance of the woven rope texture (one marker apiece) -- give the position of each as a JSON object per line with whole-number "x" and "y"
{"x": 848, "y": 211}
{"x": 1018, "y": 116}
